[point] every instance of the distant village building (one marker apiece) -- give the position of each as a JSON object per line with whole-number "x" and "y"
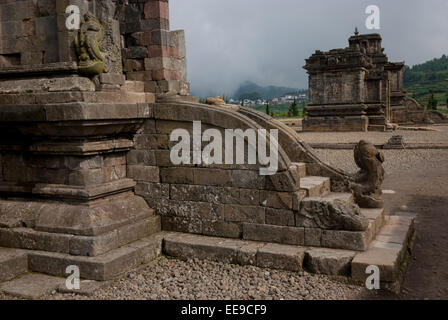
{"x": 357, "y": 89}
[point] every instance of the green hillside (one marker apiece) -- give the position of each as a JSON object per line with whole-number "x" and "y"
{"x": 428, "y": 78}
{"x": 268, "y": 92}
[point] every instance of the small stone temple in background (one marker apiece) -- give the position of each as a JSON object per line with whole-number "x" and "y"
{"x": 357, "y": 89}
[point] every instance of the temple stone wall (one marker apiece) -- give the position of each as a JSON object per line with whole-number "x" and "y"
{"x": 154, "y": 54}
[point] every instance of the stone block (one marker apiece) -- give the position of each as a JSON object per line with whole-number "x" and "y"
{"x": 153, "y": 190}
{"x": 141, "y": 157}
{"x": 250, "y": 214}
{"x": 205, "y": 248}
{"x": 93, "y": 246}
{"x": 247, "y": 179}
{"x": 13, "y": 262}
{"x": 181, "y": 224}
{"x": 143, "y": 173}
{"x": 276, "y": 234}
{"x": 32, "y": 286}
{"x": 248, "y": 197}
{"x": 177, "y": 175}
{"x": 280, "y": 217}
{"x": 313, "y": 237}
{"x": 222, "y": 229}
{"x": 281, "y": 257}
{"x": 212, "y": 177}
{"x": 25, "y": 238}
{"x": 329, "y": 261}
{"x": 387, "y": 259}
{"x": 349, "y": 240}
{"x": 278, "y": 200}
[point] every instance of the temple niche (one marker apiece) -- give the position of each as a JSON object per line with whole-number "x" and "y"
{"x": 357, "y": 89}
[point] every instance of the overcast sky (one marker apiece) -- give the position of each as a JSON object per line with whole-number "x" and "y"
{"x": 267, "y": 41}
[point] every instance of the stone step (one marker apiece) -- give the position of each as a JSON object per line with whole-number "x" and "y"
{"x": 301, "y": 168}
{"x": 30, "y": 239}
{"x": 31, "y": 286}
{"x": 13, "y": 263}
{"x": 315, "y": 186}
{"x": 389, "y": 251}
{"x": 100, "y": 268}
{"x": 376, "y": 216}
{"x": 260, "y": 254}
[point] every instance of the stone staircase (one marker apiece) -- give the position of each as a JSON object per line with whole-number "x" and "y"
{"x": 317, "y": 193}
{"x": 385, "y": 243}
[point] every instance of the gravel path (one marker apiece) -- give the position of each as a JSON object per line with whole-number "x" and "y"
{"x": 434, "y": 137}
{"x": 204, "y": 280}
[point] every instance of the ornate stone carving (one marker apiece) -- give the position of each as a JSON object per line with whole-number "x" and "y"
{"x": 89, "y": 46}
{"x": 367, "y": 182}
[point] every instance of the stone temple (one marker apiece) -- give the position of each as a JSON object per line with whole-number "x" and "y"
{"x": 86, "y": 177}
{"x": 357, "y": 89}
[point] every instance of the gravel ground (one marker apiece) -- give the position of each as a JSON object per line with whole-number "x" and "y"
{"x": 167, "y": 279}
{"x": 433, "y": 137}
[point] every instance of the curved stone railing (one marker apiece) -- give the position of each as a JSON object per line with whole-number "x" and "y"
{"x": 299, "y": 151}
{"x": 226, "y": 200}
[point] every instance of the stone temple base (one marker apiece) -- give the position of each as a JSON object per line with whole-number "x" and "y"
{"x": 331, "y": 124}
{"x": 389, "y": 251}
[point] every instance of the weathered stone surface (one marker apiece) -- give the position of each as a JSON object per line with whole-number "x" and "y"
{"x": 332, "y": 212}
{"x": 368, "y": 181}
{"x": 222, "y": 229}
{"x": 348, "y": 91}
{"x": 280, "y": 217}
{"x": 349, "y": 240}
{"x": 32, "y": 286}
{"x": 329, "y": 261}
{"x": 235, "y": 213}
{"x": 205, "y": 248}
{"x": 101, "y": 268}
{"x": 13, "y": 262}
{"x": 281, "y": 257}
{"x": 278, "y": 200}
{"x": 315, "y": 186}
{"x": 86, "y": 287}
{"x": 387, "y": 259}
{"x": 313, "y": 237}
{"x": 270, "y": 233}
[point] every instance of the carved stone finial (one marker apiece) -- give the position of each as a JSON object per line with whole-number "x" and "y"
{"x": 88, "y": 44}
{"x": 356, "y": 31}
{"x": 367, "y": 182}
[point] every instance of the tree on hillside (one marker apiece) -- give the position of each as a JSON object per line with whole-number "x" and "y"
{"x": 432, "y": 102}
{"x": 293, "y": 110}
{"x": 268, "y": 109}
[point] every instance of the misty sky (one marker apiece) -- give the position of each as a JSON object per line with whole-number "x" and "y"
{"x": 267, "y": 41}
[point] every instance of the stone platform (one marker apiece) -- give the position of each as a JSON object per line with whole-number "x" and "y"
{"x": 389, "y": 251}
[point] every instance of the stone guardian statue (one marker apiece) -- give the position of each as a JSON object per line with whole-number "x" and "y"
{"x": 367, "y": 182}
{"x": 88, "y": 45}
